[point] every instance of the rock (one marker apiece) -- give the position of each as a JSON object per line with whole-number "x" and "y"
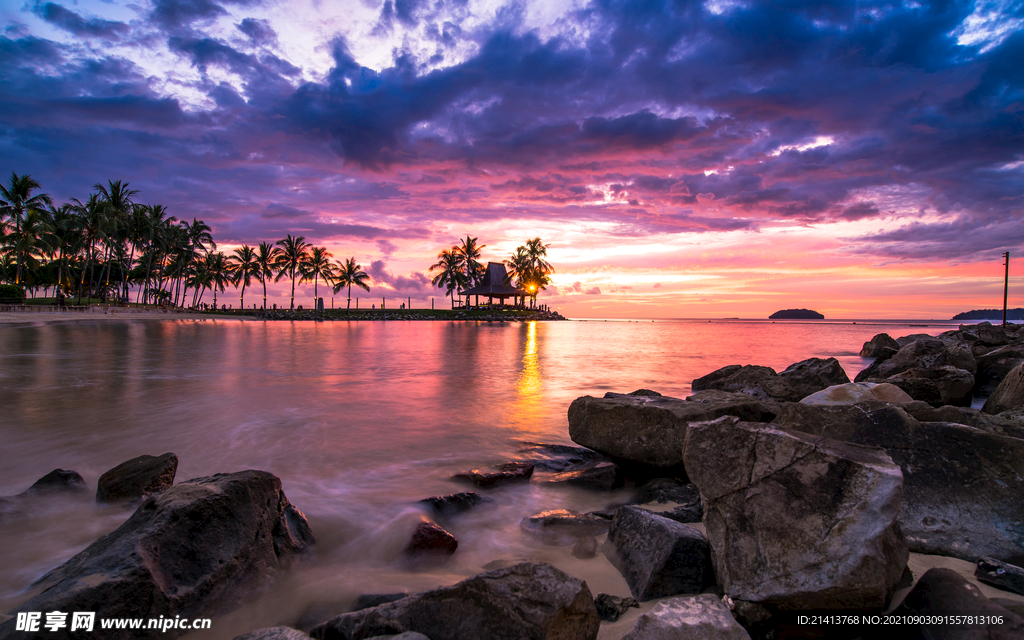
{"x": 903, "y": 341}
{"x": 810, "y": 376}
{"x": 658, "y": 557}
{"x": 938, "y": 386}
{"x": 989, "y": 376}
{"x": 650, "y": 430}
{"x": 526, "y": 601}
{"x": 961, "y": 485}
{"x": 585, "y": 548}
{"x": 137, "y": 478}
{"x": 430, "y": 545}
{"x": 408, "y": 635}
{"x": 197, "y": 549}
{"x": 456, "y": 503}
{"x": 604, "y": 476}
{"x": 367, "y": 600}
{"x": 686, "y": 513}
{"x": 991, "y": 356}
{"x": 881, "y": 346}
{"x": 1006, "y": 424}
{"x": 703, "y": 617}
{"x": 58, "y": 481}
{"x": 562, "y": 527}
{"x": 638, "y": 392}
{"x": 854, "y": 392}
{"x": 929, "y": 353}
{"x": 1009, "y": 394}
{"x": 941, "y": 593}
{"x": 665, "y": 490}
{"x": 797, "y": 521}
{"x": 750, "y": 379}
{"x": 560, "y": 457}
{"x": 508, "y": 473}
{"x": 610, "y": 608}
{"x": 796, "y": 382}
{"x": 273, "y": 633}
{"x": 1000, "y": 574}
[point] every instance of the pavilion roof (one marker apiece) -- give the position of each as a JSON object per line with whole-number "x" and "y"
{"x": 494, "y": 284}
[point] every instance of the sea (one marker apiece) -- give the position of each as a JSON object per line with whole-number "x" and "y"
{"x": 360, "y": 420}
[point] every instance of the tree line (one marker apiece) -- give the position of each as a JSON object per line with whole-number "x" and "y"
{"x": 99, "y": 248}
{"x": 458, "y": 268}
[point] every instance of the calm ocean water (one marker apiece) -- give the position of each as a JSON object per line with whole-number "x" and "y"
{"x": 358, "y": 419}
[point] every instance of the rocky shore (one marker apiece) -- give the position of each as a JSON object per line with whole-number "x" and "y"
{"x": 765, "y": 505}
{"x": 402, "y": 314}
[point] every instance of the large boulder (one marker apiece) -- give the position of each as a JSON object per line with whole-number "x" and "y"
{"x": 798, "y": 521}
{"x": 937, "y": 386}
{"x": 941, "y": 594}
{"x": 563, "y": 527}
{"x": 57, "y": 481}
{"x": 961, "y": 485}
{"x": 882, "y": 346}
{"x": 137, "y": 478}
{"x": 657, "y": 556}
{"x": 526, "y": 601}
{"x": 1009, "y": 394}
{"x": 797, "y": 381}
{"x": 929, "y": 353}
{"x": 1000, "y": 574}
{"x": 650, "y": 430}
{"x": 703, "y": 617}
{"x": 194, "y": 550}
{"x": 854, "y": 392}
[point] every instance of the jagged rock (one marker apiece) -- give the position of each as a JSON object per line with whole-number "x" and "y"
{"x": 367, "y": 600}
{"x": 273, "y": 633}
{"x": 585, "y": 548}
{"x": 812, "y": 375}
{"x": 562, "y": 527}
{"x": 961, "y": 485}
{"x": 665, "y": 490}
{"x": 882, "y": 346}
{"x": 604, "y": 476}
{"x": 797, "y": 381}
{"x": 57, "y": 481}
{"x": 1000, "y": 574}
{"x": 797, "y": 521}
{"x": 610, "y": 608}
{"x": 657, "y": 556}
{"x": 638, "y": 392}
{"x": 507, "y": 473}
{"x": 137, "y": 478}
{"x": 560, "y": 457}
{"x": 1006, "y": 424}
{"x": 989, "y": 376}
{"x": 650, "y": 430}
{"x": 903, "y": 341}
{"x": 686, "y": 513}
{"x": 430, "y": 545}
{"x": 929, "y": 353}
{"x": 941, "y": 593}
{"x": 753, "y": 380}
{"x": 456, "y": 503}
{"x": 1009, "y": 394}
{"x": 196, "y": 549}
{"x": 938, "y": 386}
{"x": 854, "y": 392}
{"x": 703, "y": 617}
{"x": 527, "y": 601}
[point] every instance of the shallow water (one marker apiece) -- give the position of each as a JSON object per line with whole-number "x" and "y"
{"x": 359, "y": 420}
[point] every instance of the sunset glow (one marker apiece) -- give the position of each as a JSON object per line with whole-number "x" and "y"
{"x": 703, "y": 159}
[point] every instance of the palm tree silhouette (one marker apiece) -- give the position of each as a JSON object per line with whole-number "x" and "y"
{"x": 451, "y": 273}
{"x": 292, "y": 254}
{"x": 266, "y": 258}
{"x": 470, "y": 251}
{"x": 350, "y": 273}
{"x": 16, "y": 200}
{"x": 317, "y": 265}
{"x": 243, "y": 267}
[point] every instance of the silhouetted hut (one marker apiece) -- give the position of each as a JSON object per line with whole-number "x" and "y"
{"x": 495, "y": 285}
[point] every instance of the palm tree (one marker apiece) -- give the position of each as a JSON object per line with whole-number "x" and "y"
{"x": 450, "y": 271}
{"x": 217, "y": 267}
{"x": 118, "y": 200}
{"x": 32, "y": 239}
{"x": 318, "y": 265}
{"x": 292, "y": 255}
{"x": 67, "y": 236}
{"x": 243, "y": 268}
{"x": 470, "y": 251}
{"x": 16, "y": 200}
{"x": 266, "y": 258}
{"x": 347, "y": 274}
{"x": 155, "y": 228}
{"x": 528, "y": 266}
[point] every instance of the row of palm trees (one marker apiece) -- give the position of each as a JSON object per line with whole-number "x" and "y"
{"x": 102, "y": 246}
{"x": 458, "y": 268}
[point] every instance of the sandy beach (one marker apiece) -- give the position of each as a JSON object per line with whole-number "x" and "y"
{"x": 109, "y": 315}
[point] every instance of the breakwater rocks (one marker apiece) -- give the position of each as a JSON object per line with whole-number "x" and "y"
{"x": 331, "y": 315}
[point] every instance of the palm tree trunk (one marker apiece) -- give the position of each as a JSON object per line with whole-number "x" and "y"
{"x": 264, "y": 281}
{"x": 293, "y": 289}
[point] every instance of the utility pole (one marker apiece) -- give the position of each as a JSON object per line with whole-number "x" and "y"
{"x": 1006, "y": 284}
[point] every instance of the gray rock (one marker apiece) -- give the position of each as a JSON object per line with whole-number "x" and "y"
{"x": 651, "y": 430}
{"x": 703, "y": 617}
{"x": 273, "y": 633}
{"x": 929, "y": 353}
{"x": 749, "y": 379}
{"x": 1009, "y": 394}
{"x": 456, "y": 503}
{"x": 563, "y": 527}
{"x": 797, "y": 521}
{"x": 685, "y": 513}
{"x": 58, "y": 481}
{"x": 604, "y": 476}
{"x": 938, "y": 386}
{"x": 527, "y": 601}
{"x": 665, "y": 490}
{"x": 903, "y": 341}
{"x": 943, "y": 592}
{"x": 810, "y": 376}
{"x": 881, "y": 346}
{"x": 797, "y": 381}
{"x": 854, "y": 392}
{"x": 961, "y": 485}
{"x": 137, "y": 478}
{"x": 657, "y": 556}
{"x": 430, "y": 545}
{"x": 367, "y": 600}
{"x": 507, "y": 473}
{"x": 1000, "y": 574}
{"x": 610, "y": 608}
{"x": 194, "y": 550}
{"x": 989, "y": 376}
{"x": 560, "y": 457}
{"x": 1004, "y": 424}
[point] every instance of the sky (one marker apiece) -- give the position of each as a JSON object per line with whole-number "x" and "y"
{"x": 682, "y": 159}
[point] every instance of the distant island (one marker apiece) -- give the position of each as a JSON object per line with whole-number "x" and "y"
{"x": 796, "y": 314}
{"x": 990, "y": 314}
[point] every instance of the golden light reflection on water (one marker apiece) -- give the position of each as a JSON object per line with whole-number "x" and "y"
{"x": 528, "y": 383}
{"x": 528, "y": 412}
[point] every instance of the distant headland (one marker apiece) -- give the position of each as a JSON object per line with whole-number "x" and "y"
{"x": 989, "y": 314}
{"x": 796, "y": 314}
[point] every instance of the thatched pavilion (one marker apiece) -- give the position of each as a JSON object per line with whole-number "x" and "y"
{"x": 495, "y": 285}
